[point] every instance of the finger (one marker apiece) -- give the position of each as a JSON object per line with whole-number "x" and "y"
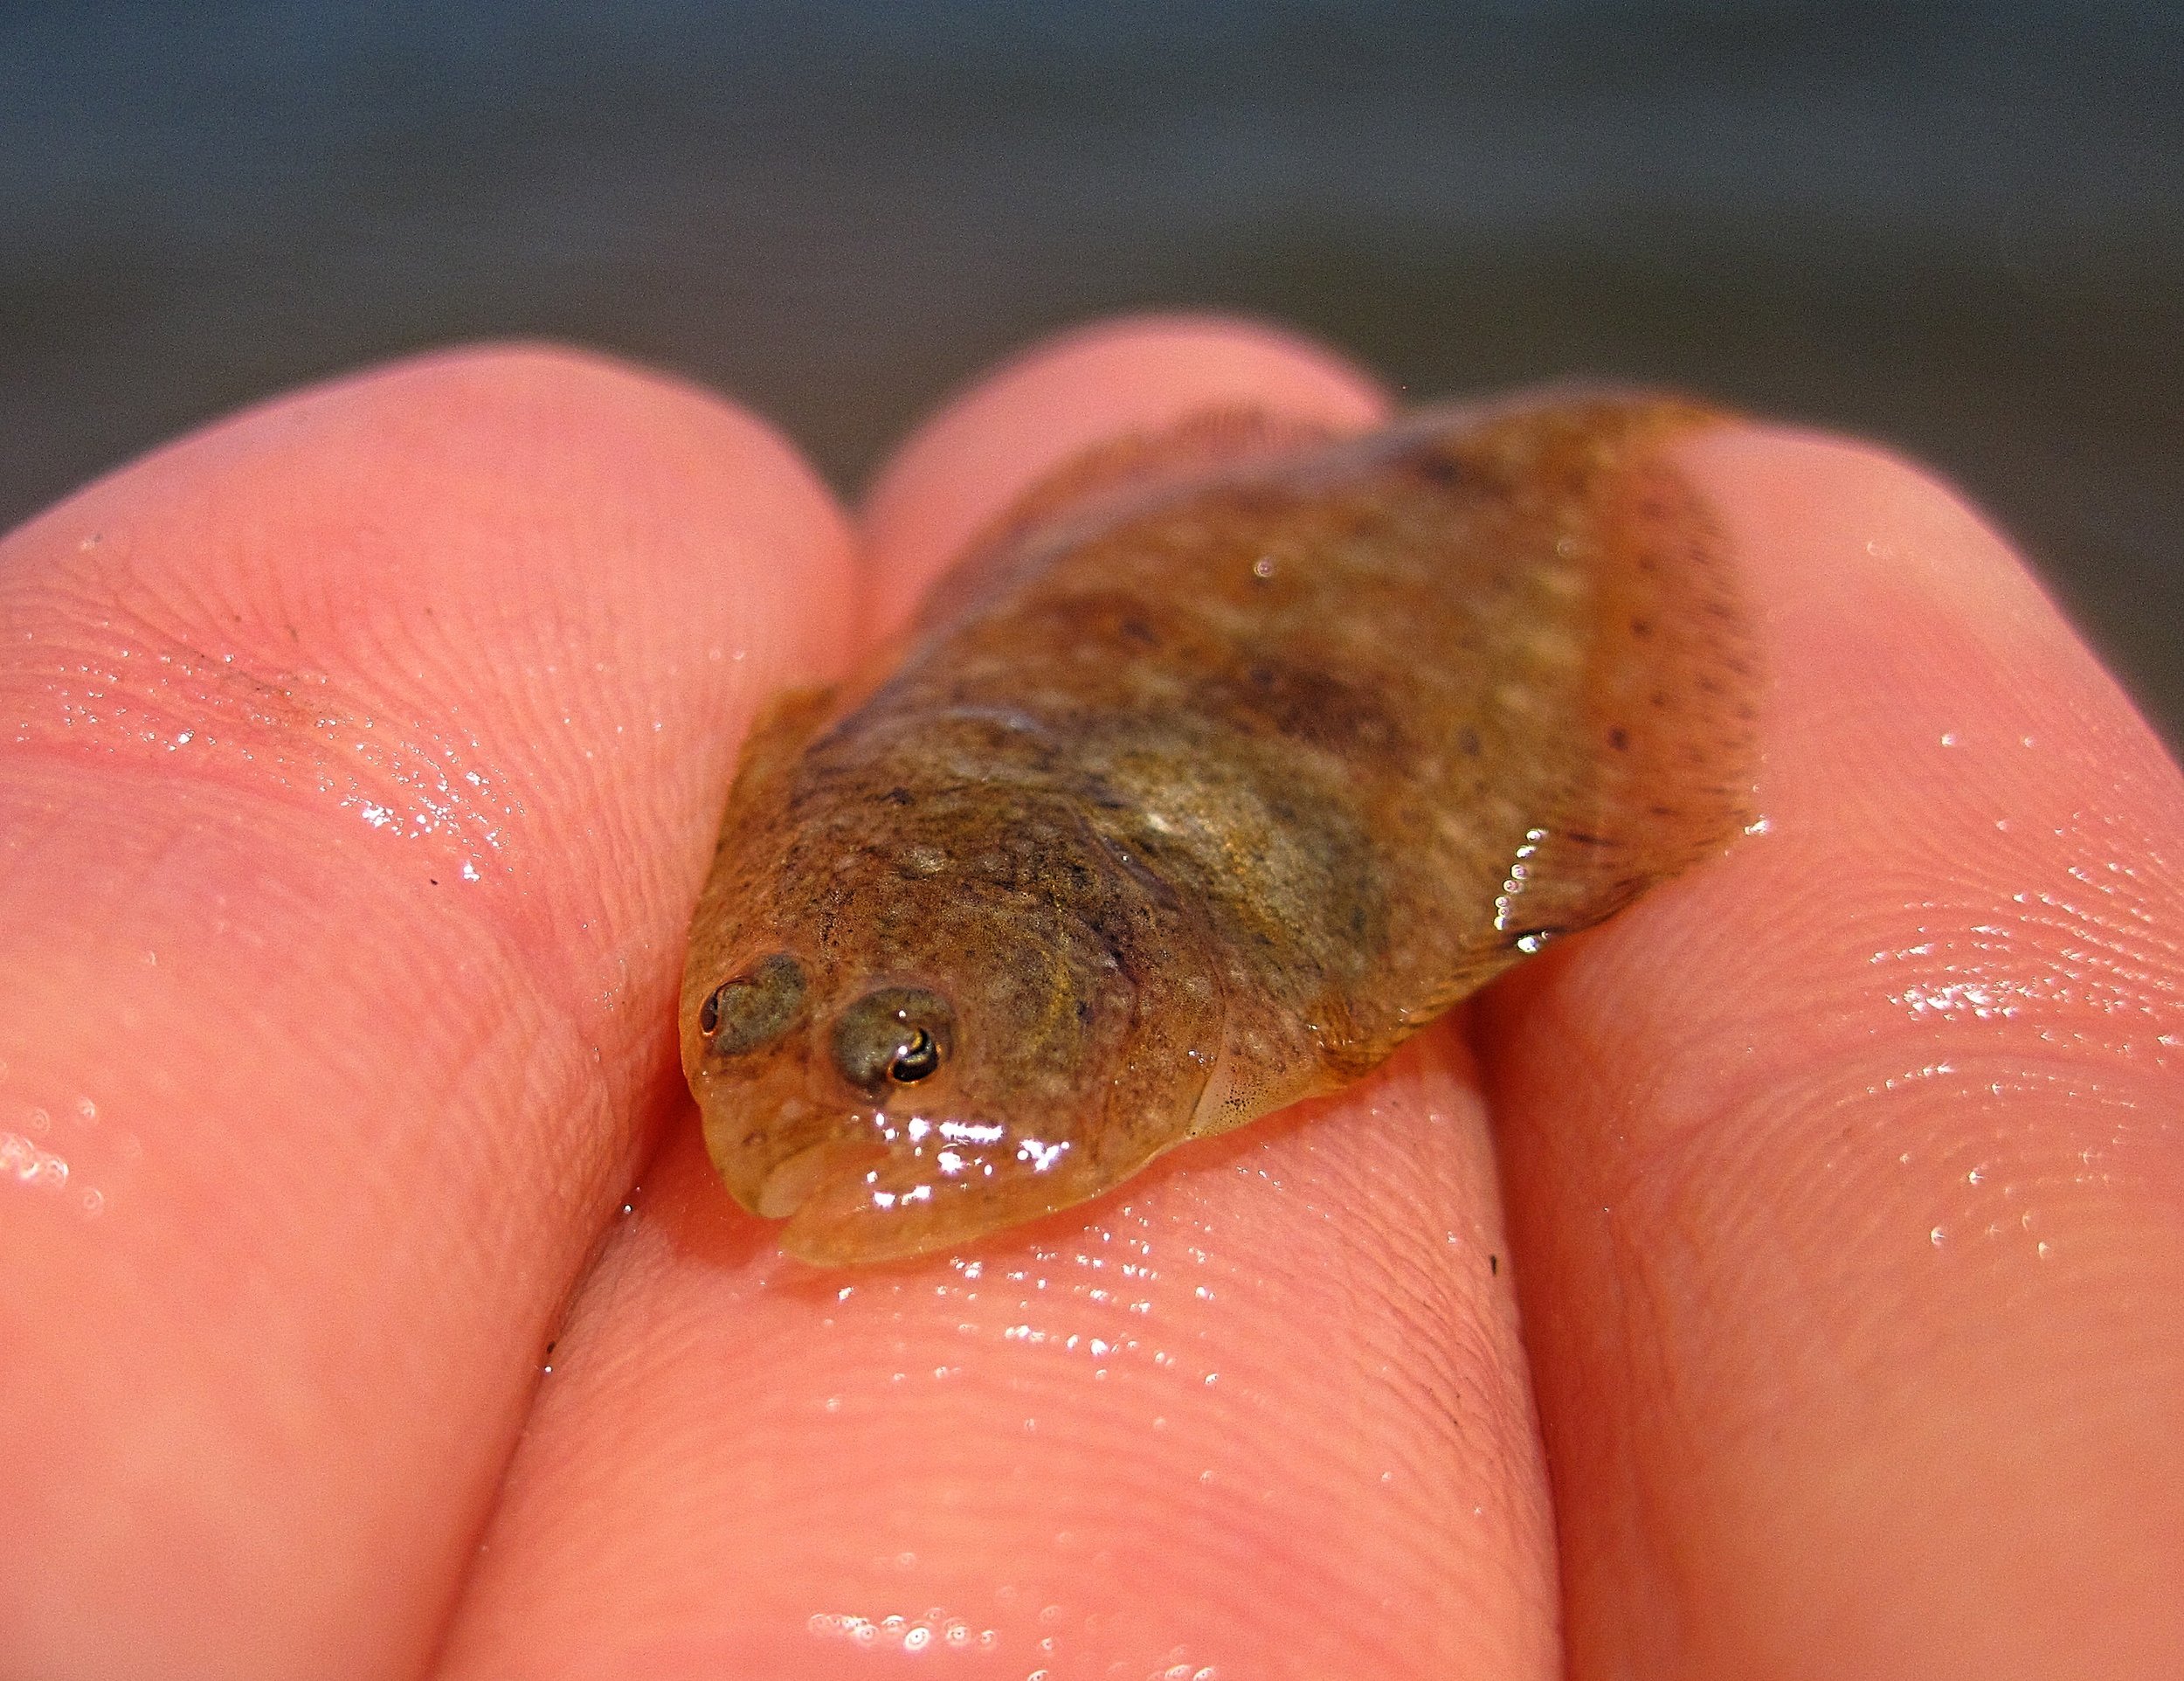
{"x": 1845, "y": 1174}
{"x": 363, "y": 756}
{"x": 1262, "y": 1412}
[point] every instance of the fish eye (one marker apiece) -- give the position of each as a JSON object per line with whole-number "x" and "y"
{"x": 755, "y": 1009}
{"x": 916, "y": 1060}
{"x": 897, "y": 1035}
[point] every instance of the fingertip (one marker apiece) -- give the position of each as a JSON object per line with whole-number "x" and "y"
{"x": 1070, "y": 393}
{"x": 1900, "y": 623}
{"x": 433, "y": 534}
{"x": 1826, "y": 1159}
{"x": 495, "y": 404}
{"x": 1266, "y": 1409}
{"x": 364, "y": 752}
{"x": 1938, "y": 753}
{"x": 1838, "y": 522}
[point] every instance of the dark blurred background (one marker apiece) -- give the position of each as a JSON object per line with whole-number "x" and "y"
{"x": 1956, "y": 227}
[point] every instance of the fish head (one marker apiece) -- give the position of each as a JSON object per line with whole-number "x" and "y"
{"x": 908, "y": 1034}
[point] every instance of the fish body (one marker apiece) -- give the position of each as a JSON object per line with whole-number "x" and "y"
{"x": 1196, "y": 791}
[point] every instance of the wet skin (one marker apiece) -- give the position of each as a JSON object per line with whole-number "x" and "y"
{"x": 1198, "y": 787}
{"x": 1837, "y": 1183}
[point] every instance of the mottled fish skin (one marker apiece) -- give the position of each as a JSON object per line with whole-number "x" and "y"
{"x": 1195, "y": 794}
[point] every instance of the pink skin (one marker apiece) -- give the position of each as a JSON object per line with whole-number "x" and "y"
{"x": 360, "y": 1141}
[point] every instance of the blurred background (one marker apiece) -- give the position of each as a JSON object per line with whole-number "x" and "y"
{"x": 1956, "y": 227}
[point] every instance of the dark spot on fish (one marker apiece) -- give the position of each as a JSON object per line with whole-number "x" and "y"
{"x": 1619, "y": 738}
{"x": 1436, "y": 467}
{"x": 1303, "y": 704}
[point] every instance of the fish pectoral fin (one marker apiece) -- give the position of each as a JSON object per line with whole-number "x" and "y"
{"x": 1250, "y": 1080}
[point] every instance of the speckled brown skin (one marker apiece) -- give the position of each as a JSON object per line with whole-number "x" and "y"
{"x": 1195, "y": 791}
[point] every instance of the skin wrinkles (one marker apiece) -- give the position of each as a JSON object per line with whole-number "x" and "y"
{"x": 1220, "y": 766}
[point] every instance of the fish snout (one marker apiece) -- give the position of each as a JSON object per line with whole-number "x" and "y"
{"x": 918, "y": 1184}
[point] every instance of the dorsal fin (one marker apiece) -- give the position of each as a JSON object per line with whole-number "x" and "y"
{"x": 1201, "y": 444}
{"x": 785, "y": 724}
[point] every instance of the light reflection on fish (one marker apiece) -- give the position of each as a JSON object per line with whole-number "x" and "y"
{"x": 1225, "y": 764}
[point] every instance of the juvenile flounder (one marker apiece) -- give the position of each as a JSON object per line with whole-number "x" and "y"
{"x": 1221, "y": 766}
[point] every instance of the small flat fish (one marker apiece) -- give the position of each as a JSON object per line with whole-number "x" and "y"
{"x": 1224, "y": 763}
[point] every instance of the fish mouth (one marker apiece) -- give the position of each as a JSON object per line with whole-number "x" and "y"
{"x": 791, "y": 1183}
{"x": 848, "y": 1203}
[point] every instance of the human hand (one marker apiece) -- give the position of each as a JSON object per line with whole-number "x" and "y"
{"x": 361, "y": 760}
